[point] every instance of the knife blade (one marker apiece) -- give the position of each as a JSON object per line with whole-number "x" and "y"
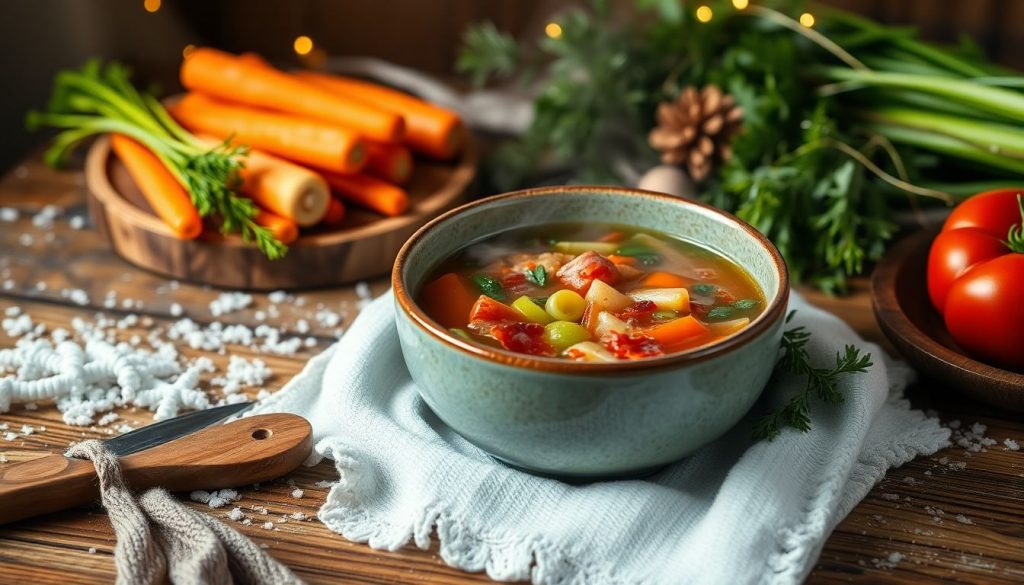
{"x": 173, "y": 428}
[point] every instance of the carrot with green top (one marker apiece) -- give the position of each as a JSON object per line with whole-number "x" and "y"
{"x": 429, "y": 129}
{"x": 228, "y": 77}
{"x": 302, "y": 140}
{"x": 165, "y": 195}
{"x": 391, "y": 162}
{"x": 369, "y": 192}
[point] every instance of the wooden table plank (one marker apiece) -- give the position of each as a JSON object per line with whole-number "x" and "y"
{"x": 913, "y": 511}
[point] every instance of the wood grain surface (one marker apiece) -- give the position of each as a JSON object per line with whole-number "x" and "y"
{"x": 957, "y": 516}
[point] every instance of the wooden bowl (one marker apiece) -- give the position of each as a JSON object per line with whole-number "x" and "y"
{"x": 364, "y": 246}
{"x": 906, "y": 316}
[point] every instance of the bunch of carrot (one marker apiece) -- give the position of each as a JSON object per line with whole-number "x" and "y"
{"x": 316, "y": 142}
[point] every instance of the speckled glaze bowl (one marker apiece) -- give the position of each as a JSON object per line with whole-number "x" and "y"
{"x": 584, "y": 420}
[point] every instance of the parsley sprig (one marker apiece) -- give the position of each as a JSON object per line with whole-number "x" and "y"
{"x": 99, "y": 99}
{"x": 821, "y": 382}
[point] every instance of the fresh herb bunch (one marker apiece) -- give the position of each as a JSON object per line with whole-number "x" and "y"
{"x": 820, "y": 382}
{"x": 101, "y": 99}
{"x": 843, "y": 122}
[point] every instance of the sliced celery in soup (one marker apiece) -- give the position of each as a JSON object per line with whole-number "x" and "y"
{"x": 590, "y": 292}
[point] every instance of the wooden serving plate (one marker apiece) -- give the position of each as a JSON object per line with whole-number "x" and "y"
{"x": 904, "y": 312}
{"x": 364, "y": 246}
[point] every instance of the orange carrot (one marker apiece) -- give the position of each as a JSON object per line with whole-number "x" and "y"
{"x": 391, "y": 162}
{"x": 429, "y": 129}
{"x": 622, "y": 260}
{"x": 225, "y": 76}
{"x": 298, "y": 139}
{"x": 165, "y": 195}
{"x": 677, "y": 331}
{"x": 665, "y": 280}
{"x": 282, "y": 187}
{"x": 368, "y": 192}
{"x": 283, "y": 228}
{"x": 335, "y": 213}
{"x": 448, "y": 300}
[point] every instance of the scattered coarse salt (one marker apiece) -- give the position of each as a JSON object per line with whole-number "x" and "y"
{"x": 106, "y": 419}
{"x": 259, "y": 509}
{"x": 176, "y": 310}
{"x": 229, "y": 302}
{"x": 276, "y": 297}
{"x": 963, "y": 519}
{"x": 76, "y": 295}
{"x": 267, "y": 525}
{"x": 92, "y": 550}
{"x": 323, "y": 483}
{"x": 299, "y": 516}
{"x": 30, "y": 406}
{"x": 364, "y": 294}
{"x": 9, "y": 436}
{"x": 891, "y": 497}
{"x": 302, "y": 326}
{"x": 77, "y": 222}
{"x": 1011, "y": 445}
{"x": 297, "y": 493}
{"x": 3, "y": 458}
{"x": 44, "y": 219}
{"x": 27, "y": 430}
{"x": 236, "y": 514}
{"x": 247, "y": 522}
{"x": 26, "y": 240}
{"x": 216, "y": 498}
{"x": 9, "y": 214}
{"x": 328, "y": 318}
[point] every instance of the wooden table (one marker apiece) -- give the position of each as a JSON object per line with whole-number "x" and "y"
{"x": 913, "y": 511}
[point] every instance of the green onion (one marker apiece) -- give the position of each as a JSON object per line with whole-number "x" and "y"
{"x": 720, "y": 313}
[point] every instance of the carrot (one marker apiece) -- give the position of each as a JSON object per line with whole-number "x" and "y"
{"x": 677, "y": 331}
{"x": 298, "y": 139}
{"x": 622, "y": 260}
{"x": 448, "y": 300}
{"x": 665, "y": 280}
{"x": 228, "y": 77}
{"x": 282, "y": 187}
{"x": 165, "y": 195}
{"x": 391, "y": 162}
{"x": 283, "y": 228}
{"x": 429, "y": 129}
{"x": 369, "y": 192}
{"x": 335, "y": 213}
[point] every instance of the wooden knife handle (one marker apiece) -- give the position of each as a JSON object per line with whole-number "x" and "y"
{"x": 249, "y": 450}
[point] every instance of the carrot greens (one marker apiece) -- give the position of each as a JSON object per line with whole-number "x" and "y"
{"x": 101, "y": 99}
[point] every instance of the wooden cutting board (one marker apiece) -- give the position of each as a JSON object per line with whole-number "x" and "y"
{"x": 364, "y": 246}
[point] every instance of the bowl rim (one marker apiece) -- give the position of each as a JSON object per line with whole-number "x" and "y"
{"x": 769, "y": 317}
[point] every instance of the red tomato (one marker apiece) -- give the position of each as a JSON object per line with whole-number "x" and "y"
{"x": 976, "y": 277}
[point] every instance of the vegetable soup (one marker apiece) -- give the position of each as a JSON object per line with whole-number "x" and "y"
{"x": 590, "y": 292}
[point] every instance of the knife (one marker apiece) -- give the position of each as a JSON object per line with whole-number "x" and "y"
{"x": 184, "y": 453}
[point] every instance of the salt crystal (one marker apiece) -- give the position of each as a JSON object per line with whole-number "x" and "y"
{"x": 44, "y": 219}
{"x": 1011, "y": 444}
{"x": 3, "y": 458}
{"x": 236, "y": 514}
{"x": 26, "y": 239}
{"x": 9, "y": 214}
{"x": 278, "y": 296}
{"x": 247, "y": 522}
{"x": 176, "y": 310}
{"x": 92, "y": 550}
{"x": 27, "y": 430}
{"x": 963, "y": 519}
{"x": 324, "y": 483}
{"x": 229, "y": 302}
{"x": 267, "y": 525}
{"x": 30, "y": 406}
{"x": 302, "y": 326}
{"x": 77, "y": 222}
{"x": 891, "y": 497}
{"x": 299, "y": 516}
{"x": 297, "y": 493}
{"x": 9, "y": 436}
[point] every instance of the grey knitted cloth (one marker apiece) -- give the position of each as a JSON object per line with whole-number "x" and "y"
{"x": 159, "y": 540}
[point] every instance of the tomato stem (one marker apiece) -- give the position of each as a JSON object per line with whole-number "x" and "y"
{"x": 1015, "y": 239}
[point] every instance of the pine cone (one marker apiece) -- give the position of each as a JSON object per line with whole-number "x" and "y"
{"x": 696, "y": 128}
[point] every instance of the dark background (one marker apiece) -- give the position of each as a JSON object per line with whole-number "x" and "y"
{"x": 38, "y": 37}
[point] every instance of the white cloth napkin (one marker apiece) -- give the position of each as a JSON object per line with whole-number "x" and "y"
{"x": 734, "y": 512}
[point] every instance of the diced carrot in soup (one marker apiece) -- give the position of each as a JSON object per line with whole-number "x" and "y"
{"x": 644, "y": 294}
{"x": 448, "y": 300}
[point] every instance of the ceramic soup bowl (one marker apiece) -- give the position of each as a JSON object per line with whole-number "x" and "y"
{"x": 589, "y": 420}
